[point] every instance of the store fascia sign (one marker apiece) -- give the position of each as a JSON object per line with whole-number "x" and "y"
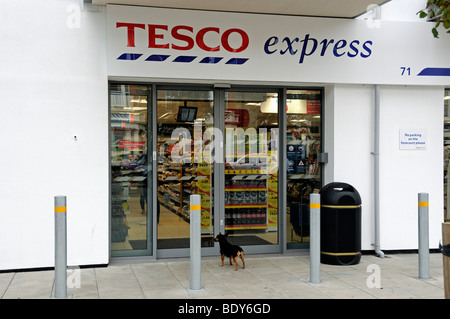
{"x": 183, "y": 38}
{"x": 169, "y": 43}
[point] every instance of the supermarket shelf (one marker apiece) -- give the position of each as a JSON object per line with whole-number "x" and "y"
{"x": 248, "y": 226}
{"x": 246, "y": 205}
{"x": 246, "y": 189}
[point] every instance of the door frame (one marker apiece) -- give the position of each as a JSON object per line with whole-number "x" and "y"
{"x": 179, "y": 252}
{"x": 149, "y": 251}
{"x": 260, "y": 249}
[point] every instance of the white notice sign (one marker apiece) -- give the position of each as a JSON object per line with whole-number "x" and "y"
{"x": 413, "y": 139}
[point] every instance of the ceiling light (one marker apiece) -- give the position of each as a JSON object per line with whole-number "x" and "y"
{"x": 138, "y": 101}
{"x": 164, "y": 115}
{"x": 270, "y": 105}
{"x": 134, "y": 108}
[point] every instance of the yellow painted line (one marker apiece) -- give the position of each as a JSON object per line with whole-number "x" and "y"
{"x": 314, "y": 205}
{"x": 196, "y": 207}
{"x": 423, "y": 204}
{"x": 340, "y": 254}
{"x": 337, "y": 206}
{"x": 60, "y": 209}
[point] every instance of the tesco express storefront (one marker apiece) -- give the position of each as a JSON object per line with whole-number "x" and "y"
{"x": 210, "y": 103}
{"x": 253, "y": 112}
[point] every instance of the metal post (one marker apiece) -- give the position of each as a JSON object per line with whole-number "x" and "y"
{"x": 60, "y": 247}
{"x": 424, "y": 251}
{"x": 376, "y": 172}
{"x": 195, "y": 242}
{"x": 314, "y": 242}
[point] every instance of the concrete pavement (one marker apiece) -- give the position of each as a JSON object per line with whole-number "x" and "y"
{"x": 270, "y": 276}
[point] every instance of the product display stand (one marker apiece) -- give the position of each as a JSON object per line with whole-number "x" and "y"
{"x": 245, "y": 199}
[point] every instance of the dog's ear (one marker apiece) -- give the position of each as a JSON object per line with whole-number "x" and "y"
{"x": 226, "y": 235}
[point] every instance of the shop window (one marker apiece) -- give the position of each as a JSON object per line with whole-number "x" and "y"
{"x": 130, "y": 176}
{"x": 303, "y": 136}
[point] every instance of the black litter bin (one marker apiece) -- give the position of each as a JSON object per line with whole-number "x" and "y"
{"x": 340, "y": 224}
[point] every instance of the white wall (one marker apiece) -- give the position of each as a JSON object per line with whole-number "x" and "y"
{"x": 351, "y": 140}
{"x": 403, "y": 174}
{"x": 53, "y": 86}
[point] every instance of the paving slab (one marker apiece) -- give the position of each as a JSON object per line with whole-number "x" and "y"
{"x": 271, "y": 276}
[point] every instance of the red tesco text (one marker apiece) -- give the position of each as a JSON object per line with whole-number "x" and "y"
{"x": 185, "y": 36}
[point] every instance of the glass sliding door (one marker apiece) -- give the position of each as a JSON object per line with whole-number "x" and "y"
{"x": 185, "y": 166}
{"x": 251, "y": 167}
{"x": 131, "y": 173}
{"x": 303, "y": 143}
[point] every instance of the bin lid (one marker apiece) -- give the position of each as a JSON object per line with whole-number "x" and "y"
{"x": 338, "y": 193}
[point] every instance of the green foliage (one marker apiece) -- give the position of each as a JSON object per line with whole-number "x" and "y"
{"x": 439, "y": 12}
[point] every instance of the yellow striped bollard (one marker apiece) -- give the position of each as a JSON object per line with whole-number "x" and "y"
{"x": 195, "y": 242}
{"x": 314, "y": 242}
{"x": 60, "y": 247}
{"x": 424, "y": 247}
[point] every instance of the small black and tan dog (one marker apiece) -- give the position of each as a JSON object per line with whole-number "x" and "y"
{"x": 229, "y": 250}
